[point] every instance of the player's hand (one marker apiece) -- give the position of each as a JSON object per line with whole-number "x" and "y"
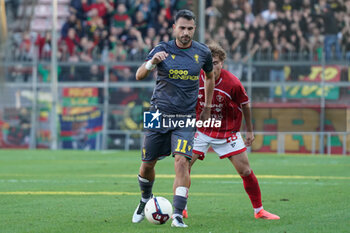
{"x": 159, "y": 57}
{"x": 249, "y": 138}
{"x": 205, "y": 114}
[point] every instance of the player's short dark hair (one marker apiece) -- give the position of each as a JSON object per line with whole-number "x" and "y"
{"x": 217, "y": 51}
{"x": 187, "y": 14}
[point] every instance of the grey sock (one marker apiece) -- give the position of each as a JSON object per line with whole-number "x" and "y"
{"x": 179, "y": 203}
{"x": 146, "y": 188}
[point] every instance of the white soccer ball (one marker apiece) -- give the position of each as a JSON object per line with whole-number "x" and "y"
{"x": 158, "y": 210}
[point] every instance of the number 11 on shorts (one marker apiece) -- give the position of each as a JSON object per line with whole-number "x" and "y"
{"x": 179, "y": 142}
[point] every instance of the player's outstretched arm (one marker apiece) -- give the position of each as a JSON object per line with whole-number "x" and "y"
{"x": 208, "y": 90}
{"x": 144, "y": 70}
{"x": 249, "y": 137}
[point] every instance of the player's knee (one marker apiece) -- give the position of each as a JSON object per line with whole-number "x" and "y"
{"x": 147, "y": 167}
{"x": 244, "y": 172}
{"x": 181, "y": 162}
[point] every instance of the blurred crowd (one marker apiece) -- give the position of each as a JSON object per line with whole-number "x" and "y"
{"x": 120, "y": 30}
{"x": 97, "y": 30}
{"x": 283, "y": 29}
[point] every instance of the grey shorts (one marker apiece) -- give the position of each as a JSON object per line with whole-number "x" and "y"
{"x": 159, "y": 144}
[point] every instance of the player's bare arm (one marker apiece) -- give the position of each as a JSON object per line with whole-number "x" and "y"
{"x": 209, "y": 90}
{"x": 144, "y": 70}
{"x": 249, "y": 136}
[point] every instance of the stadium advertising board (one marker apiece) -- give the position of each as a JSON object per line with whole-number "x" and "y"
{"x": 332, "y": 74}
{"x": 80, "y": 120}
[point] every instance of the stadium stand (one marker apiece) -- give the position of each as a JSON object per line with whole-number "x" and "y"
{"x": 127, "y": 30}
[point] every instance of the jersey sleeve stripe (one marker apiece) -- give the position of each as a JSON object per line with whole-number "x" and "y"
{"x": 248, "y": 101}
{"x": 216, "y": 89}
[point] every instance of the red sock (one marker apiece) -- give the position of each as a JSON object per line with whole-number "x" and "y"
{"x": 251, "y": 186}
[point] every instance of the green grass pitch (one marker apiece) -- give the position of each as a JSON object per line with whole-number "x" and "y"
{"x": 76, "y": 191}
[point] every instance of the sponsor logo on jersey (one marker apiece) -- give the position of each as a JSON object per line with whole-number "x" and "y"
{"x": 201, "y": 103}
{"x": 196, "y": 57}
{"x": 173, "y": 56}
{"x": 182, "y": 74}
{"x": 219, "y": 98}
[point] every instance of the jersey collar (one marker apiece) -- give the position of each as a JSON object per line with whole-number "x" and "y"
{"x": 217, "y": 82}
{"x": 183, "y": 48}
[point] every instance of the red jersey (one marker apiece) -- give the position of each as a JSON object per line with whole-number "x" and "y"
{"x": 100, "y": 7}
{"x": 229, "y": 95}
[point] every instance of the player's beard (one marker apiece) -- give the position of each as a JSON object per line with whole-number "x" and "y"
{"x": 185, "y": 40}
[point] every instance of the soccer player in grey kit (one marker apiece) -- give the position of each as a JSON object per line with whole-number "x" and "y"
{"x": 178, "y": 63}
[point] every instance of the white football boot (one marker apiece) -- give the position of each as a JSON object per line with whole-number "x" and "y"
{"x": 178, "y": 222}
{"x": 139, "y": 213}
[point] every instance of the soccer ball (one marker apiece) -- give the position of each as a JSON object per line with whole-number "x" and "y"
{"x": 158, "y": 210}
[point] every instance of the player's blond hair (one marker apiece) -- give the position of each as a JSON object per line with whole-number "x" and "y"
{"x": 217, "y": 51}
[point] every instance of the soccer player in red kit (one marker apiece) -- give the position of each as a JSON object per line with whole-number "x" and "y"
{"x": 230, "y": 100}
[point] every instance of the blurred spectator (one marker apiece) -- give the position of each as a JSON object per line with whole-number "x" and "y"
{"x": 214, "y": 15}
{"x": 25, "y": 48}
{"x": 102, "y": 7}
{"x": 136, "y": 45}
{"x": 330, "y": 30}
{"x": 62, "y": 53}
{"x": 146, "y": 7}
{"x": 316, "y": 43}
{"x": 236, "y": 67}
{"x": 72, "y": 22}
{"x": 44, "y": 46}
{"x": 248, "y": 15}
{"x": 169, "y": 8}
{"x": 271, "y": 13}
{"x": 263, "y": 42}
{"x": 121, "y": 19}
{"x": 85, "y": 50}
{"x": 94, "y": 29}
{"x": 141, "y": 23}
{"x": 126, "y": 75}
{"x": 76, "y": 8}
{"x": 162, "y": 25}
{"x": 285, "y": 5}
{"x": 95, "y": 74}
{"x": 72, "y": 41}
{"x": 346, "y": 36}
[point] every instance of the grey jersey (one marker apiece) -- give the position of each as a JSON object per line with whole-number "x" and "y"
{"x": 177, "y": 83}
